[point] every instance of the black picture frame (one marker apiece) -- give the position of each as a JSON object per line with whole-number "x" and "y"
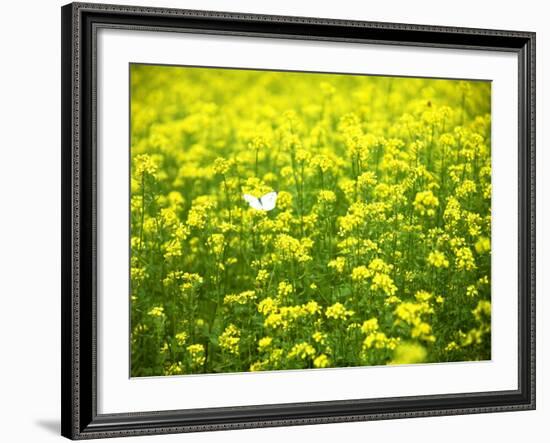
{"x": 79, "y": 176}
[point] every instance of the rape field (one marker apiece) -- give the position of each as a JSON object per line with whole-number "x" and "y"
{"x": 370, "y": 246}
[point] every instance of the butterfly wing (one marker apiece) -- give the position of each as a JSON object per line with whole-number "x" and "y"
{"x": 254, "y": 202}
{"x": 269, "y": 201}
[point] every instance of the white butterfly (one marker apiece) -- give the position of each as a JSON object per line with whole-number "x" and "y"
{"x": 265, "y": 203}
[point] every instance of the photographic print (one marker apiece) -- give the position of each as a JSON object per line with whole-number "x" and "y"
{"x": 296, "y": 220}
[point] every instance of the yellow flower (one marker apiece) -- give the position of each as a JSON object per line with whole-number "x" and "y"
{"x": 465, "y": 259}
{"x": 483, "y": 245}
{"x": 325, "y": 196}
{"x": 289, "y": 248}
{"x": 410, "y": 312}
{"x": 338, "y": 312}
{"x": 169, "y": 216}
{"x": 264, "y": 343}
{"x": 438, "y": 259}
{"x": 366, "y": 179}
{"x": 262, "y": 276}
{"x": 239, "y": 299}
{"x": 137, "y": 274}
{"x": 216, "y": 242}
{"x": 229, "y": 339}
{"x": 222, "y": 166}
{"x": 172, "y": 248}
{"x": 425, "y": 202}
{"x": 302, "y": 351}
{"x": 392, "y": 300}
{"x": 197, "y": 216}
{"x": 379, "y": 340}
{"x": 423, "y": 331}
{"x": 482, "y": 310}
{"x": 360, "y": 273}
{"x": 423, "y": 296}
{"x": 379, "y": 265}
{"x": 175, "y": 369}
{"x": 466, "y": 187}
{"x": 196, "y": 352}
{"x": 175, "y": 198}
{"x": 319, "y": 337}
{"x": 276, "y": 356}
{"x": 284, "y": 289}
{"x": 321, "y": 361}
{"x": 452, "y": 346}
{"x": 257, "y": 366}
{"x": 144, "y": 164}
{"x": 181, "y": 338}
{"x": 268, "y": 306}
{"x": 409, "y": 353}
{"x": 275, "y": 320}
{"x": 370, "y": 326}
{"x": 191, "y": 282}
{"x": 312, "y": 307}
{"x": 284, "y": 200}
{"x": 338, "y": 264}
{"x": 157, "y": 311}
{"x": 483, "y": 280}
{"x": 385, "y": 283}
{"x": 322, "y": 162}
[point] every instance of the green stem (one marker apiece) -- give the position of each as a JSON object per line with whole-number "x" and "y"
{"x": 142, "y": 210}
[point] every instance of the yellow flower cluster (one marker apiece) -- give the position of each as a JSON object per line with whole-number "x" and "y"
{"x": 338, "y": 312}
{"x": 409, "y": 353}
{"x": 157, "y": 311}
{"x": 425, "y": 203}
{"x": 412, "y": 313}
{"x": 239, "y": 299}
{"x": 289, "y": 248}
{"x": 144, "y": 164}
{"x": 222, "y": 166}
{"x": 438, "y": 259}
{"x": 181, "y": 338}
{"x": 302, "y": 350}
{"x": 338, "y": 264}
{"x": 378, "y": 270}
{"x": 190, "y": 282}
{"x": 229, "y": 339}
{"x": 326, "y": 196}
{"x": 360, "y": 273}
{"x": 321, "y": 361}
{"x": 385, "y": 283}
{"x": 264, "y": 343}
{"x": 465, "y": 259}
{"x": 285, "y": 316}
{"x": 196, "y": 353}
{"x": 378, "y": 340}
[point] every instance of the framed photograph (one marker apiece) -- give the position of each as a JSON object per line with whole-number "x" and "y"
{"x": 273, "y": 221}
